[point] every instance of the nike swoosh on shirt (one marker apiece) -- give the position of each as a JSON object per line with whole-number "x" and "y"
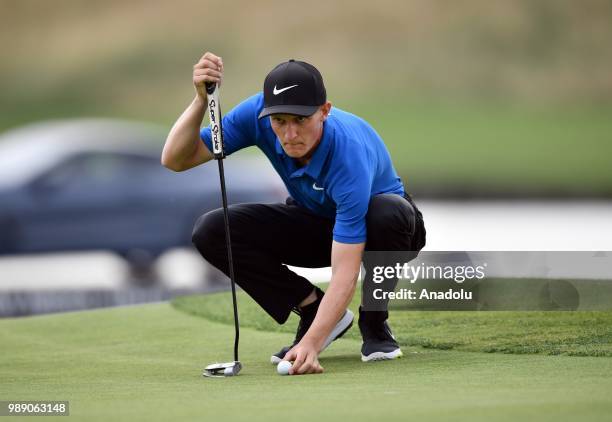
{"x": 278, "y": 91}
{"x": 315, "y": 187}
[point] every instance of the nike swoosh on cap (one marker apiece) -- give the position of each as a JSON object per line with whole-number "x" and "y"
{"x": 278, "y": 91}
{"x": 315, "y": 187}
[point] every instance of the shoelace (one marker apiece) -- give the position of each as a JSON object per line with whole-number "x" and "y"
{"x": 381, "y": 332}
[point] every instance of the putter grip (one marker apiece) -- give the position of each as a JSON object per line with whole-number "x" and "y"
{"x": 210, "y": 87}
{"x": 214, "y": 112}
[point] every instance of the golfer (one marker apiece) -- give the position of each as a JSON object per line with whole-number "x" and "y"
{"x": 345, "y": 197}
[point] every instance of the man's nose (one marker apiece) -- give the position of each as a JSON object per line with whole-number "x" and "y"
{"x": 291, "y": 131}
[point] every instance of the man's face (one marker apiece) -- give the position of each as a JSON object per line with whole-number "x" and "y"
{"x": 299, "y": 135}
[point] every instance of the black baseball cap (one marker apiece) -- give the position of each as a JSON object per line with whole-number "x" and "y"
{"x": 293, "y": 87}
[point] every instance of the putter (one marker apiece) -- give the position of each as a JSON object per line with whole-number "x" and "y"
{"x": 229, "y": 369}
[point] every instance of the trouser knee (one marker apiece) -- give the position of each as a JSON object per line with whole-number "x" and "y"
{"x": 392, "y": 224}
{"x": 208, "y": 234}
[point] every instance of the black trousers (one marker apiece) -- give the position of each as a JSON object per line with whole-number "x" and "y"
{"x": 268, "y": 237}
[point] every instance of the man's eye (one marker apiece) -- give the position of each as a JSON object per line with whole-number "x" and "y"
{"x": 301, "y": 119}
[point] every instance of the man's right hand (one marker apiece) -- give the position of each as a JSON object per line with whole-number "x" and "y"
{"x": 208, "y": 69}
{"x": 184, "y": 148}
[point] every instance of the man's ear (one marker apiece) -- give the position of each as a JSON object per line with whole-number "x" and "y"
{"x": 326, "y": 108}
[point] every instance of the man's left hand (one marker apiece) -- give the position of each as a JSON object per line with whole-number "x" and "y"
{"x": 305, "y": 358}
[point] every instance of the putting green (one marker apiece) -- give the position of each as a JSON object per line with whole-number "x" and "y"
{"x": 145, "y": 362}
{"x": 585, "y": 333}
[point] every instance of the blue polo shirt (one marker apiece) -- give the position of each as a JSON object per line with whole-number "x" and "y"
{"x": 350, "y": 165}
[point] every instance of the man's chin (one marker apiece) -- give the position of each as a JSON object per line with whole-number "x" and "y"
{"x": 294, "y": 154}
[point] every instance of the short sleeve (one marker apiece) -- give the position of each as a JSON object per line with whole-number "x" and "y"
{"x": 239, "y": 126}
{"x": 350, "y": 189}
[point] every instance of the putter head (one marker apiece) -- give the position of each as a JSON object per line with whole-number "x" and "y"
{"x": 221, "y": 370}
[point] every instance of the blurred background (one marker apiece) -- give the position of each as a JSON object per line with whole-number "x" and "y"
{"x": 498, "y": 116}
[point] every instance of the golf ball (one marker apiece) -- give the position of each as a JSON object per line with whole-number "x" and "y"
{"x": 228, "y": 372}
{"x": 283, "y": 367}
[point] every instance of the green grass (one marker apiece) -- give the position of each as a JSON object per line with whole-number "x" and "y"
{"x": 493, "y": 148}
{"x": 549, "y": 333}
{"x": 144, "y": 363}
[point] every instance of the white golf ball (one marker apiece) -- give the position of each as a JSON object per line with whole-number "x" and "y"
{"x": 228, "y": 372}
{"x": 283, "y": 367}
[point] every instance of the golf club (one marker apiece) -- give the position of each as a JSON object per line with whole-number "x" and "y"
{"x": 228, "y": 369}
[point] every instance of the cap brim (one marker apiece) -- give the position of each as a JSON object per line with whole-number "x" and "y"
{"x": 289, "y": 109}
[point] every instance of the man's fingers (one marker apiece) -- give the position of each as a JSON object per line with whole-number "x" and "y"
{"x": 213, "y": 58}
{"x": 210, "y": 60}
{"x": 200, "y": 80}
{"x": 298, "y": 360}
{"x": 296, "y": 367}
{"x": 208, "y": 64}
{"x": 290, "y": 355}
{"x": 305, "y": 369}
{"x": 310, "y": 365}
{"x": 315, "y": 367}
{"x": 310, "y": 368}
{"x": 207, "y": 71}
{"x": 210, "y": 56}
{"x": 305, "y": 361}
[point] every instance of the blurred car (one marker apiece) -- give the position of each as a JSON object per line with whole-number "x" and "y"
{"x": 97, "y": 184}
